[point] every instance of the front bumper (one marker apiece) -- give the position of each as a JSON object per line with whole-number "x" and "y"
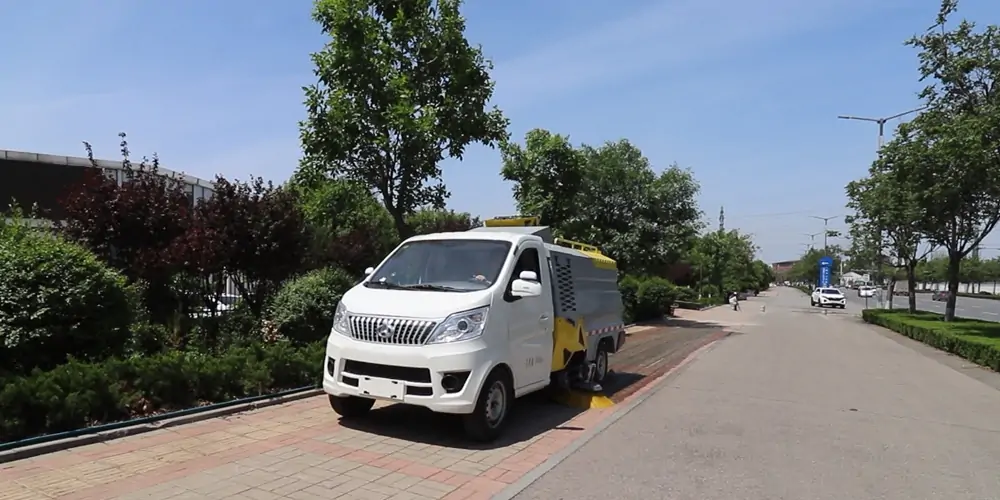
{"x": 832, "y": 302}
{"x": 411, "y": 374}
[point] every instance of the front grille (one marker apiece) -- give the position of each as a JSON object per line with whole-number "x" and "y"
{"x": 388, "y": 330}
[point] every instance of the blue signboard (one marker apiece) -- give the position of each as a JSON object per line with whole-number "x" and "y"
{"x": 825, "y": 269}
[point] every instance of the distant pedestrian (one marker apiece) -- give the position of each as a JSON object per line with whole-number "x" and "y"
{"x": 734, "y": 300}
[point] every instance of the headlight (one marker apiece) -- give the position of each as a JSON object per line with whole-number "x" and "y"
{"x": 340, "y": 323}
{"x": 461, "y": 326}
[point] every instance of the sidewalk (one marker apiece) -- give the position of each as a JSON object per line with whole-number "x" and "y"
{"x": 799, "y": 405}
{"x": 302, "y": 451}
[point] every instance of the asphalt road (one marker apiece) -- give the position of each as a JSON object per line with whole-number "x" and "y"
{"x": 966, "y": 307}
{"x": 802, "y": 404}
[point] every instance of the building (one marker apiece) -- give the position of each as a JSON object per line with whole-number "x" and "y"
{"x": 783, "y": 267}
{"x": 39, "y": 179}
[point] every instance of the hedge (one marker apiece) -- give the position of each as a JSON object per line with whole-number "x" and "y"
{"x": 79, "y": 394}
{"x": 974, "y": 340}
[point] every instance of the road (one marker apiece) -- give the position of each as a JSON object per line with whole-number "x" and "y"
{"x": 984, "y": 309}
{"x": 801, "y": 404}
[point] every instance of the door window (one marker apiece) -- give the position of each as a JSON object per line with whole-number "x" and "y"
{"x": 527, "y": 261}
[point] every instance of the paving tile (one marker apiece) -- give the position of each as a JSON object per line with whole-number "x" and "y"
{"x": 301, "y": 451}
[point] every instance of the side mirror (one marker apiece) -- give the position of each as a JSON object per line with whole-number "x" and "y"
{"x": 525, "y": 288}
{"x": 528, "y": 276}
{"x": 369, "y": 270}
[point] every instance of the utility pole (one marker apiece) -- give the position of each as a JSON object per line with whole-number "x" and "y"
{"x": 881, "y": 122}
{"x": 722, "y": 219}
{"x": 826, "y": 232}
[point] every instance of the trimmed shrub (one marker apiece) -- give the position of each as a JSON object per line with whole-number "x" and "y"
{"x": 57, "y": 300}
{"x": 628, "y": 286}
{"x": 302, "y": 311}
{"x": 976, "y": 341}
{"x": 686, "y": 294}
{"x": 78, "y": 394}
{"x": 654, "y": 299}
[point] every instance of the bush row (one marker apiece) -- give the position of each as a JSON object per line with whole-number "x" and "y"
{"x": 79, "y": 394}
{"x": 976, "y": 341}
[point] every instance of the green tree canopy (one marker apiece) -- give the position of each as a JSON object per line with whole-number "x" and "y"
{"x": 399, "y": 89}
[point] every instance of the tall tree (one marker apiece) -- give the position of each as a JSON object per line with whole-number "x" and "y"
{"x": 953, "y": 148}
{"x": 399, "y": 89}
{"x": 886, "y": 217}
{"x": 548, "y": 175}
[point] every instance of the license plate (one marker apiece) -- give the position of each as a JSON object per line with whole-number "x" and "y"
{"x": 381, "y": 388}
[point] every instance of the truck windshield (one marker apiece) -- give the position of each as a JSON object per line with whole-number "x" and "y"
{"x": 444, "y": 265}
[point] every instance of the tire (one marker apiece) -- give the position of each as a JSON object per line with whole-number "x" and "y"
{"x": 843, "y": 307}
{"x": 812, "y": 303}
{"x": 487, "y": 420}
{"x": 351, "y": 406}
{"x": 602, "y": 362}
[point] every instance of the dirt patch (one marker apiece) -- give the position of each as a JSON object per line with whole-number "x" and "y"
{"x": 652, "y": 352}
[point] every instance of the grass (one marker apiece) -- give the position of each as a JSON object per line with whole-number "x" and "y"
{"x": 975, "y": 340}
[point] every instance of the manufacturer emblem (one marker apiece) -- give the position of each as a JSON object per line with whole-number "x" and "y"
{"x": 385, "y": 330}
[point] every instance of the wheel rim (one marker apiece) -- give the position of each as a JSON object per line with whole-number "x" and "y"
{"x": 602, "y": 365}
{"x": 496, "y": 404}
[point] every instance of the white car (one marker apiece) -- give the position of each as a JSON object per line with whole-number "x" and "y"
{"x": 866, "y": 291}
{"x": 828, "y": 297}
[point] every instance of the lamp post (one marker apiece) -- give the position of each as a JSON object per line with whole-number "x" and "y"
{"x": 812, "y": 239}
{"x": 881, "y": 121}
{"x": 826, "y": 232}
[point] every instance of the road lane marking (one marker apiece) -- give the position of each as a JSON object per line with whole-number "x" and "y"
{"x": 991, "y": 314}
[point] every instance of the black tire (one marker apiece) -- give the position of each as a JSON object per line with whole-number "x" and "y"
{"x": 487, "y": 421}
{"x": 843, "y": 306}
{"x": 812, "y": 303}
{"x": 602, "y": 362}
{"x": 351, "y": 406}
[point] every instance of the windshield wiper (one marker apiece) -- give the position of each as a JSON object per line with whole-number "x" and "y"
{"x": 386, "y": 284}
{"x": 428, "y": 286}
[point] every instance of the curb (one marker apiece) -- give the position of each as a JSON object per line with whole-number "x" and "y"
{"x": 653, "y": 387}
{"x": 99, "y": 437}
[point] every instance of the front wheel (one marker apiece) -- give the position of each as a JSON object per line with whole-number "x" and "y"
{"x": 351, "y": 406}
{"x": 812, "y": 303}
{"x": 487, "y": 420}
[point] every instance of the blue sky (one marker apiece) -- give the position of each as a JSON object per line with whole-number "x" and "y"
{"x": 744, "y": 93}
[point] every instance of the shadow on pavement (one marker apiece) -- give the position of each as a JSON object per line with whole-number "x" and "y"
{"x": 690, "y": 323}
{"x": 647, "y": 354}
{"x": 531, "y": 416}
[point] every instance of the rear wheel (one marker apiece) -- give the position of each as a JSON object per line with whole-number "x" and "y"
{"x": 487, "y": 420}
{"x": 601, "y": 370}
{"x": 351, "y": 406}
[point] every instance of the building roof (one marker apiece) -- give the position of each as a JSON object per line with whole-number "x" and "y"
{"x": 79, "y": 161}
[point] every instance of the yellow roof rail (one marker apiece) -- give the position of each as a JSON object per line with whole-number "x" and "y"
{"x": 513, "y": 220}
{"x": 576, "y": 245}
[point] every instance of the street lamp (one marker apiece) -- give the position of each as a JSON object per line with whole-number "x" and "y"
{"x": 812, "y": 238}
{"x": 881, "y": 121}
{"x": 826, "y": 232}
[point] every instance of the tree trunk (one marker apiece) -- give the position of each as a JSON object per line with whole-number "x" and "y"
{"x": 891, "y": 290}
{"x": 954, "y": 268}
{"x": 911, "y": 284}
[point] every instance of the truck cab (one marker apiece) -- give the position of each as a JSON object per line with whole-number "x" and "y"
{"x": 459, "y": 323}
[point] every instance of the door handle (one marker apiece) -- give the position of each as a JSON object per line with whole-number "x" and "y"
{"x": 544, "y": 317}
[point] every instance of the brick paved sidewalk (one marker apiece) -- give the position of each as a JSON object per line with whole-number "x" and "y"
{"x": 301, "y": 451}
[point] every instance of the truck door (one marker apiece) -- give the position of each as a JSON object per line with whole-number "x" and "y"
{"x": 530, "y": 321}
